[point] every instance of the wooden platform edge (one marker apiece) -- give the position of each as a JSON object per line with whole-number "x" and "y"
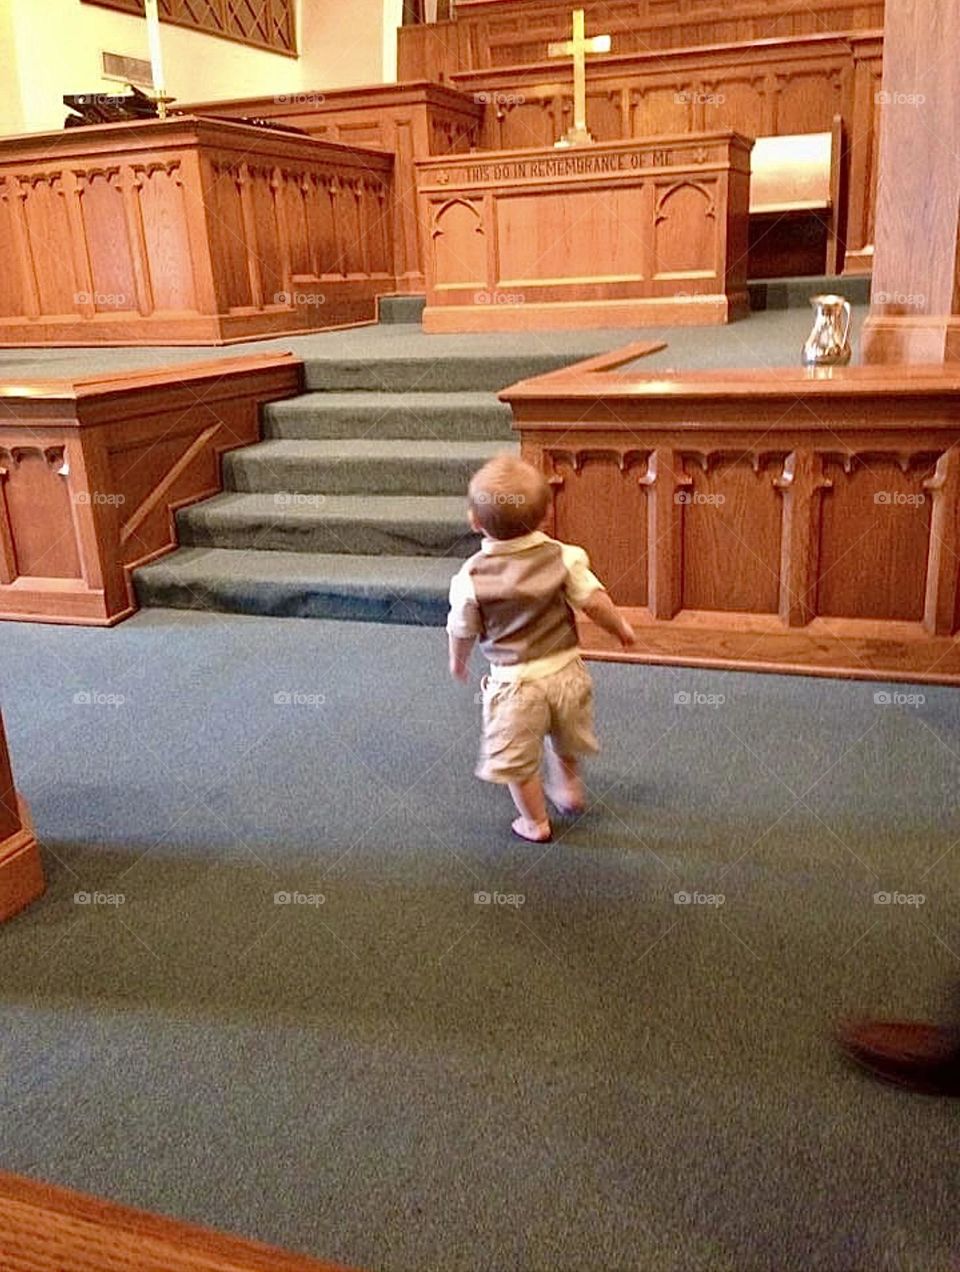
{"x": 45, "y": 1228}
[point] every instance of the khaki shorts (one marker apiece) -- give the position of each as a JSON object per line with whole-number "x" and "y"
{"x": 518, "y": 715}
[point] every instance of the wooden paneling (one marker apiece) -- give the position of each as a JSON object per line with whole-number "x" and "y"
{"x": 266, "y": 24}
{"x": 92, "y": 471}
{"x": 21, "y": 871}
{"x": 48, "y": 1229}
{"x": 521, "y": 240}
{"x": 778, "y": 87}
{"x": 517, "y": 32}
{"x": 177, "y": 232}
{"x": 406, "y": 120}
{"x": 776, "y": 519}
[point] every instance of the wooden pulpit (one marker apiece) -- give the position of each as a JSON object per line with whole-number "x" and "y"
{"x": 21, "y": 874}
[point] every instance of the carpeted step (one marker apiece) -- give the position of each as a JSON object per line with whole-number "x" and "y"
{"x": 383, "y": 589}
{"x": 357, "y": 466}
{"x": 451, "y": 416}
{"x": 401, "y": 309}
{"x": 432, "y": 372}
{"x": 394, "y": 525}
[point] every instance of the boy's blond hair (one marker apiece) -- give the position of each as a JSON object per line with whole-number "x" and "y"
{"x": 508, "y": 497}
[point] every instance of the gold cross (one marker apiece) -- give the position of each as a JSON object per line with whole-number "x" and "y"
{"x": 579, "y": 47}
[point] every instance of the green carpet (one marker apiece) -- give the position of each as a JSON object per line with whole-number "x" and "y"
{"x": 409, "y": 1081}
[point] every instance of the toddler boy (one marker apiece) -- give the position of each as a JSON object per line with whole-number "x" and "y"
{"x": 517, "y": 596}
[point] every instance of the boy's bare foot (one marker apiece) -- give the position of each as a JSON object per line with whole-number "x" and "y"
{"x": 564, "y": 786}
{"x": 533, "y": 832}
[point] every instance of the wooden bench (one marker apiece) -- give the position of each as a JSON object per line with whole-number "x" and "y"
{"x": 796, "y": 203}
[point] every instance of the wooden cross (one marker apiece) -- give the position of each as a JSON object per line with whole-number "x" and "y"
{"x": 578, "y": 47}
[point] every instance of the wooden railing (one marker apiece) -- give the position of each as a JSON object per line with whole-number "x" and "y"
{"x": 776, "y": 519}
{"x": 48, "y": 1229}
{"x": 92, "y": 471}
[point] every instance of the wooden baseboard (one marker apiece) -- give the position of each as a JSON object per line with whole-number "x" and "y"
{"x": 901, "y": 338}
{"x": 21, "y": 870}
{"x": 824, "y": 647}
{"x": 693, "y": 311}
{"x": 48, "y": 1229}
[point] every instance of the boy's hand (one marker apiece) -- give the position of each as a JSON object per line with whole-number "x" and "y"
{"x": 460, "y": 647}
{"x": 628, "y": 637}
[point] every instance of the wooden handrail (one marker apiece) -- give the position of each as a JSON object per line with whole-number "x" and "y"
{"x": 49, "y": 1229}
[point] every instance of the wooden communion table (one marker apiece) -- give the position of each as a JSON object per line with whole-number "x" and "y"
{"x": 622, "y": 234}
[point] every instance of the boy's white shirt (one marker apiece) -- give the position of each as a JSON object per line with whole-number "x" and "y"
{"x": 464, "y": 619}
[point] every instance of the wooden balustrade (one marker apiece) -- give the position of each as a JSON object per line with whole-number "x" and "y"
{"x": 188, "y": 231}
{"x": 92, "y": 471}
{"x": 776, "y": 519}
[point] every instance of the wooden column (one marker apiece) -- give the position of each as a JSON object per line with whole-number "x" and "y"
{"x": 21, "y": 874}
{"x": 915, "y": 311}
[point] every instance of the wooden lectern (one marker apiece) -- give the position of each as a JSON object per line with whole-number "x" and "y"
{"x": 21, "y": 874}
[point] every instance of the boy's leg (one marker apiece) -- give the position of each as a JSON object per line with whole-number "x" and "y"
{"x": 571, "y": 735}
{"x": 515, "y": 719}
{"x": 533, "y": 823}
{"x": 564, "y": 784}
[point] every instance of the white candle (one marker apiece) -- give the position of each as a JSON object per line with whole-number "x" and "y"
{"x": 156, "y": 54}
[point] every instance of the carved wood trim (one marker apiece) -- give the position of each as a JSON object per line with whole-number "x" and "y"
{"x": 943, "y": 564}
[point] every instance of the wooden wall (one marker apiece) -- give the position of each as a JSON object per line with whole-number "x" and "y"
{"x": 188, "y": 231}
{"x": 516, "y": 32}
{"x": 777, "y": 519}
{"x": 91, "y": 473}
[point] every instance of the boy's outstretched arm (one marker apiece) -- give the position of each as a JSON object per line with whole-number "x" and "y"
{"x": 460, "y": 647}
{"x": 605, "y": 614}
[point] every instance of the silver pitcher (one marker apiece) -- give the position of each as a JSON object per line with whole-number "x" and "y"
{"x": 828, "y": 344}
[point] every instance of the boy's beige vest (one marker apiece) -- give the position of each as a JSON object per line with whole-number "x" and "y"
{"x": 522, "y": 605}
